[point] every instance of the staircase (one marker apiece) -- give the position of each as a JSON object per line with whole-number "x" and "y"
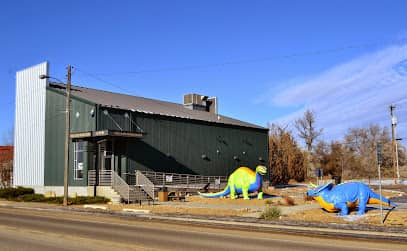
{"x": 111, "y": 185}
{"x": 139, "y": 195}
{"x": 108, "y": 192}
{"x": 144, "y": 183}
{"x": 131, "y": 194}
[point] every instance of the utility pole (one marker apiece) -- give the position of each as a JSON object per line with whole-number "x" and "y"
{"x": 379, "y": 163}
{"x": 397, "y": 162}
{"x": 393, "y": 141}
{"x": 397, "y": 159}
{"x": 67, "y": 133}
{"x": 342, "y": 177}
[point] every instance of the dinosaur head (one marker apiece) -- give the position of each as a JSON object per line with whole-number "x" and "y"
{"x": 319, "y": 189}
{"x": 262, "y": 170}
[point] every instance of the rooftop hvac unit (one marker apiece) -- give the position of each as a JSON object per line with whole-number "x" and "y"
{"x": 201, "y": 103}
{"x": 193, "y": 99}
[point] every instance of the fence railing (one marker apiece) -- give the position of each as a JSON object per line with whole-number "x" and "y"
{"x": 141, "y": 185}
{"x": 105, "y": 177}
{"x": 128, "y": 192}
{"x": 177, "y": 180}
{"x": 130, "y": 178}
{"x": 143, "y": 182}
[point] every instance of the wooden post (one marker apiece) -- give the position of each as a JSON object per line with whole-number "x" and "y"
{"x": 67, "y": 132}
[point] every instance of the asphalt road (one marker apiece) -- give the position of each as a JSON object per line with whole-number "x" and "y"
{"x": 21, "y": 229}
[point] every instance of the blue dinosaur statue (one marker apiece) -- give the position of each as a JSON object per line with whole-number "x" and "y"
{"x": 345, "y": 196}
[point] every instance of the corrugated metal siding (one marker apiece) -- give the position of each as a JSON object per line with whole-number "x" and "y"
{"x": 177, "y": 145}
{"x": 114, "y": 119}
{"x": 29, "y": 135}
{"x": 83, "y": 116}
{"x": 55, "y": 136}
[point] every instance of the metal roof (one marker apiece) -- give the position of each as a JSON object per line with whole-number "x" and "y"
{"x": 149, "y": 106}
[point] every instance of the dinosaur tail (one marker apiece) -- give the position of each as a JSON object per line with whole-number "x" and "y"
{"x": 375, "y": 199}
{"x": 223, "y": 193}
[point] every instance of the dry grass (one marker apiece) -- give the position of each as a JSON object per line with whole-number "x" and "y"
{"x": 172, "y": 209}
{"x": 372, "y": 217}
{"x": 293, "y": 196}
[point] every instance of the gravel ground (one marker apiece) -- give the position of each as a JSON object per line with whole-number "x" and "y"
{"x": 302, "y": 210}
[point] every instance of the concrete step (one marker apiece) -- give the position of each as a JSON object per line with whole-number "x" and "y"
{"x": 108, "y": 192}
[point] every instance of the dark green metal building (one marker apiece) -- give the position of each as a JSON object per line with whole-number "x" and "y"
{"x": 112, "y": 131}
{"x": 112, "y": 135}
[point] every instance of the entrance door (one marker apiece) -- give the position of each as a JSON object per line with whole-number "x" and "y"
{"x": 106, "y": 156}
{"x": 107, "y": 163}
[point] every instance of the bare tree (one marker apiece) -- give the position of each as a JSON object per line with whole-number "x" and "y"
{"x": 355, "y": 157}
{"x": 286, "y": 158}
{"x": 6, "y": 159}
{"x": 6, "y": 173}
{"x": 362, "y": 141}
{"x": 6, "y": 166}
{"x": 306, "y": 128}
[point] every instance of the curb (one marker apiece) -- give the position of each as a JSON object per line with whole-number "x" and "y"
{"x": 273, "y": 227}
{"x": 241, "y": 223}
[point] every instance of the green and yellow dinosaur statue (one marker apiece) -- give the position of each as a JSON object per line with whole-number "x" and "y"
{"x": 242, "y": 181}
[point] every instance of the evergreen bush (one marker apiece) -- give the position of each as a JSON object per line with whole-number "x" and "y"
{"x": 13, "y": 192}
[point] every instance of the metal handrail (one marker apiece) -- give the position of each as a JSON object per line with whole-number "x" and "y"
{"x": 121, "y": 187}
{"x": 183, "y": 180}
{"x": 143, "y": 182}
{"x": 105, "y": 177}
{"x": 129, "y": 193}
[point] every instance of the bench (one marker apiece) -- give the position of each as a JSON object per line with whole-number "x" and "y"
{"x": 176, "y": 196}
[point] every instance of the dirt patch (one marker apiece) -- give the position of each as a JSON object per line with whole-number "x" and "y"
{"x": 175, "y": 209}
{"x": 230, "y": 202}
{"x": 290, "y": 199}
{"x": 394, "y": 218}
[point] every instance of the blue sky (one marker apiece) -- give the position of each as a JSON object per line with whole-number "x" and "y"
{"x": 266, "y": 61}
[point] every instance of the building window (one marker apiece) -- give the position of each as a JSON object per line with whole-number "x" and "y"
{"x": 78, "y": 159}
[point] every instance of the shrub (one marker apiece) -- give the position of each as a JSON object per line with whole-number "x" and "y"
{"x": 27, "y": 195}
{"x": 77, "y": 200}
{"x": 88, "y": 200}
{"x": 11, "y": 192}
{"x": 31, "y": 198}
{"x": 271, "y": 213}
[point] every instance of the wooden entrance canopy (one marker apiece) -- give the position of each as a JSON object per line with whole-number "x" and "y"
{"x": 95, "y": 135}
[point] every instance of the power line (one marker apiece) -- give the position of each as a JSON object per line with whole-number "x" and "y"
{"x": 29, "y": 92}
{"x": 192, "y": 67}
{"x": 92, "y": 75}
{"x": 36, "y": 89}
{"x": 255, "y": 60}
{"x": 100, "y": 79}
{"x": 401, "y": 102}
